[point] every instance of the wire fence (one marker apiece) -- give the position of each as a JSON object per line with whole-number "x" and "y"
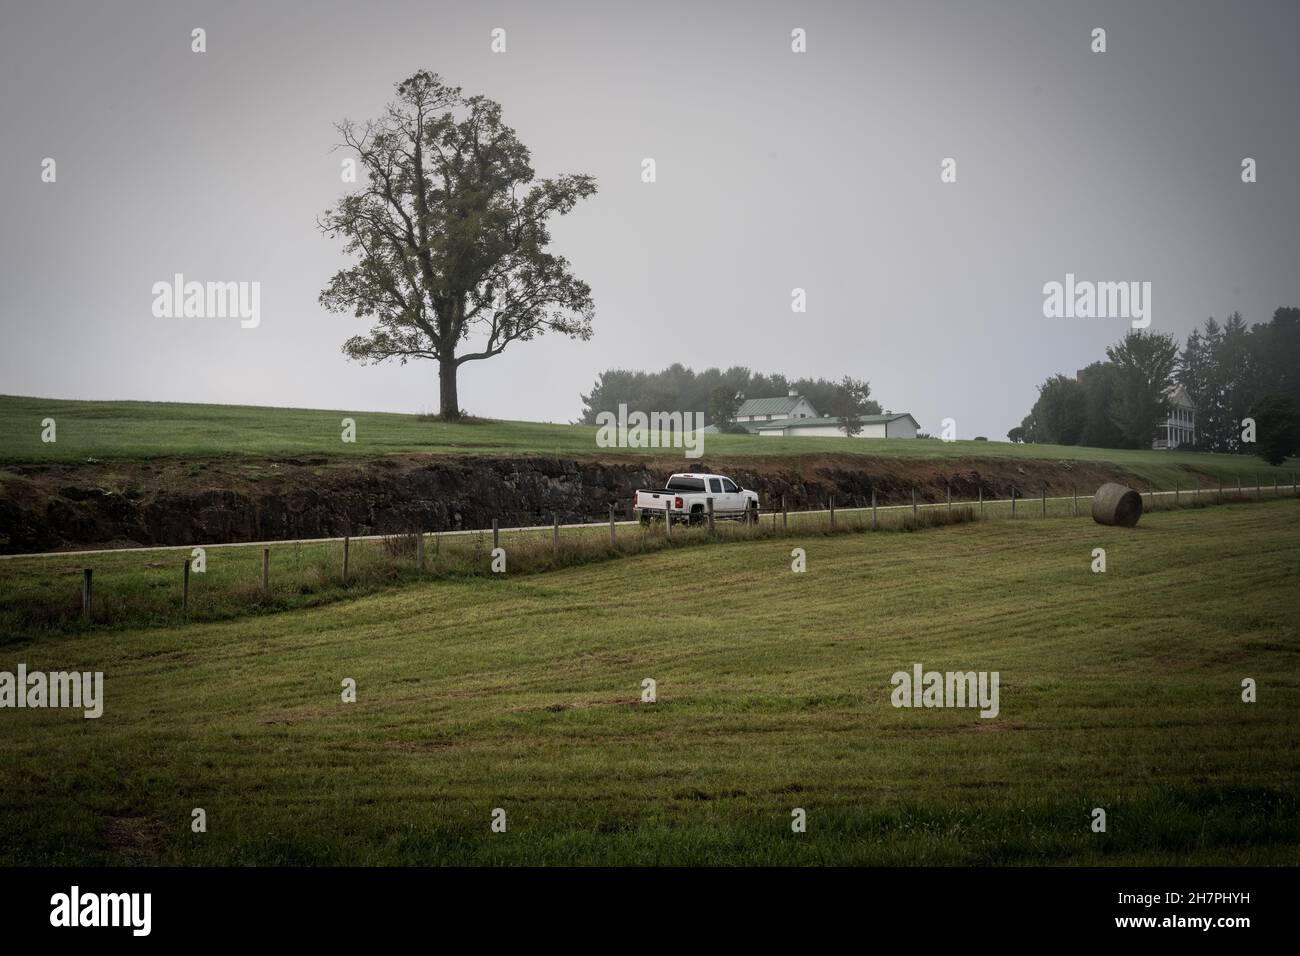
{"x": 176, "y": 584}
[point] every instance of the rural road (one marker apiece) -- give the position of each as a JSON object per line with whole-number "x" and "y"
{"x": 1261, "y": 489}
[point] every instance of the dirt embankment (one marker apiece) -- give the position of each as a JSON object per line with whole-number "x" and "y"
{"x": 172, "y": 502}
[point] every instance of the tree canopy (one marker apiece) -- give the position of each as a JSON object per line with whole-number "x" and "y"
{"x": 449, "y": 232}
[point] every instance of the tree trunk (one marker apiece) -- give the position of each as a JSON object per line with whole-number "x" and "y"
{"x": 448, "y": 402}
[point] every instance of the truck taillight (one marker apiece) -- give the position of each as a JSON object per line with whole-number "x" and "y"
{"x": 677, "y": 502}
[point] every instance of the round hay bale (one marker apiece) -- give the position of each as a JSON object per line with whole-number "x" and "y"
{"x": 1117, "y": 505}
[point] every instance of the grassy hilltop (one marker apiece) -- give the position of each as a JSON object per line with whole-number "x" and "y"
{"x": 144, "y": 430}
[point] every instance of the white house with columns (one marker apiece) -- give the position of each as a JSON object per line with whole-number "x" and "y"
{"x": 1179, "y": 426}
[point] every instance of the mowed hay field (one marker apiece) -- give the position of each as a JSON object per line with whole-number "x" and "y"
{"x": 1118, "y": 690}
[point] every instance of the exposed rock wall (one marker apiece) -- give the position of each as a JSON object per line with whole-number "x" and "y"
{"x": 107, "y": 504}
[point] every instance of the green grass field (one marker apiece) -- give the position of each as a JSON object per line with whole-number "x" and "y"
{"x": 138, "y": 430}
{"x": 1118, "y": 690}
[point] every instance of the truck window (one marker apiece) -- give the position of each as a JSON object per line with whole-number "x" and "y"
{"x": 729, "y": 486}
{"x": 715, "y": 486}
{"x": 682, "y": 483}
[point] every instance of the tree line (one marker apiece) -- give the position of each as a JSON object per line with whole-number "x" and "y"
{"x": 1232, "y": 372}
{"x": 718, "y": 393}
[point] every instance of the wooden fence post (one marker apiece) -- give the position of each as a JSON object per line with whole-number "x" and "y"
{"x": 1259, "y": 488}
{"x": 496, "y": 535}
{"x": 785, "y": 515}
{"x": 613, "y": 540}
{"x": 1074, "y": 492}
{"x": 832, "y": 512}
{"x": 266, "y": 569}
{"x": 419, "y": 551}
{"x": 981, "y": 499}
{"x": 86, "y": 576}
{"x": 709, "y": 503}
{"x": 913, "y": 504}
{"x": 948, "y": 491}
{"x": 1044, "y": 501}
{"x": 555, "y": 532}
{"x": 1013, "y": 501}
{"x": 873, "y": 509}
{"x": 185, "y": 586}
{"x": 1177, "y": 494}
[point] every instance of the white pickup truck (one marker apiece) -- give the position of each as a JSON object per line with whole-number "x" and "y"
{"x": 685, "y": 498}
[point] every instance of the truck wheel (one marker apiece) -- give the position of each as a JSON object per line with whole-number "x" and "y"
{"x": 697, "y": 514}
{"x": 645, "y": 516}
{"x": 753, "y": 512}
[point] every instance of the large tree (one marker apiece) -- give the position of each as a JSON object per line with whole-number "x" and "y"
{"x": 1144, "y": 364}
{"x": 1061, "y": 412}
{"x": 1213, "y": 425}
{"x": 1099, "y": 429}
{"x": 1237, "y": 378}
{"x": 450, "y": 235}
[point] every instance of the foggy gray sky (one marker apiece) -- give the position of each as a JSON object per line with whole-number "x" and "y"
{"x": 775, "y": 170}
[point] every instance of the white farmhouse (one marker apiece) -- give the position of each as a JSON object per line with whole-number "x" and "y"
{"x": 793, "y": 406}
{"x": 888, "y": 425}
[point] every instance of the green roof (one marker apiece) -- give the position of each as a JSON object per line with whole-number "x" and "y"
{"x": 770, "y": 406}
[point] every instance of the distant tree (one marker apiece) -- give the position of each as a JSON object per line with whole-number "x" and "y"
{"x": 1227, "y": 369}
{"x": 1144, "y": 364}
{"x": 980, "y": 438}
{"x": 1098, "y": 382}
{"x": 1237, "y": 379}
{"x": 1277, "y": 427}
{"x": 723, "y": 405}
{"x": 852, "y": 424}
{"x": 1029, "y": 428}
{"x": 450, "y": 236}
{"x": 1016, "y": 434}
{"x": 1207, "y": 389}
{"x": 1061, "y": 413}
{"x": 1275, "y": 353}
{"x": 849, "y": 403}
{"x": 827, "y": 396}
